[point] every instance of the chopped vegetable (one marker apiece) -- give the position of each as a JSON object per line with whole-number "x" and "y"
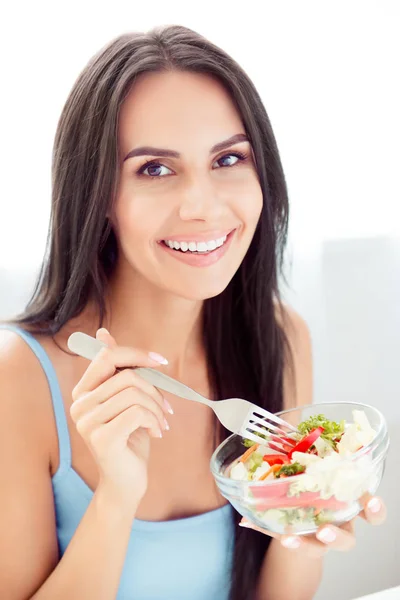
{"x": 290, "y": 470}
{"x": 248, "y": 453}
{"x": 255, "y": 461}
{"x": 306, "y": 443}
{"x": 276, "y": 459}
{"x": 248, "y": 443}
{"x": 332, "y": 431}
{"x": 271, "y": 470}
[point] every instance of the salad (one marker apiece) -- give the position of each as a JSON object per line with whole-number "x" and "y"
{"x": 318, "y": 474}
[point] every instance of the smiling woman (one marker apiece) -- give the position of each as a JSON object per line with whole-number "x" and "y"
{"x": 169, "y": 220}
{"x": 200, "y": 189}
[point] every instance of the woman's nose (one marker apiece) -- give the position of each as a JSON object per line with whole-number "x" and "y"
{"x": 200, "y": 200}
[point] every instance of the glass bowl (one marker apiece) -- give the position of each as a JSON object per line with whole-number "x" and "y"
{"x": 299, "y": 506}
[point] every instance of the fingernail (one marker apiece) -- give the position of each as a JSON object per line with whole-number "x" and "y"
{"x": 245, "y": 524}
{"x": 290, "y": 542}
{"x": 374, "y": 505}
{"x": 104, "y": 329}
{"x": 168, "y": 406}
{"x": 326, "y": 535}
{"x": 158, "y": 358}
{"x": 166, "y": 424}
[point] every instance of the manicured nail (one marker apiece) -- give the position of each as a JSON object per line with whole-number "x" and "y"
{"x": 374, "y": 505}
{"x": 326, "y": 535}
{"x": 160, "y": 434}
{"x": 292, "y": 542}
{"x": 158, "y": 358}
{"x": 168, "y": 406}
{"x": 245, "y": 524}
{"x": 166, "y": 424}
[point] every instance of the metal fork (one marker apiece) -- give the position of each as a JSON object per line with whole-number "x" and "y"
{"x": 237, "y": 415}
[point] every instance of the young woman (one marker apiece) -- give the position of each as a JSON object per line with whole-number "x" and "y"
{"x": 169, "y": 218}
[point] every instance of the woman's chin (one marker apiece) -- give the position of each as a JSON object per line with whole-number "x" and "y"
{"x": 199, "y": 293}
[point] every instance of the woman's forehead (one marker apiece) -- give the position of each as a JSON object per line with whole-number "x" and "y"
{"x": 178, "y": 108}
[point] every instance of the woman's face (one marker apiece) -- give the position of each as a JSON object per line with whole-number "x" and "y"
{"x": 189, "y": 198}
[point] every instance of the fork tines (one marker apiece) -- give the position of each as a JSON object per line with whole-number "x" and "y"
{"x": 264, "y": 427}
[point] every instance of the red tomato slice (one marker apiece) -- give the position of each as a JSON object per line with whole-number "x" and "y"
{"x": 306, "y": 443}
{"x": 276, "y": 459}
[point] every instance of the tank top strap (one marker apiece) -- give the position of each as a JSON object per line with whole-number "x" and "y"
{"x": 55, "y": 391}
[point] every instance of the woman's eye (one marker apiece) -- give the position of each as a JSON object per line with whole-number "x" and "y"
{"x": 228, "y": 160}
{"x": 154, "y": 170}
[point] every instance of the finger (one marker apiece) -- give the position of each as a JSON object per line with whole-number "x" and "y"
{"x": 107, "y": 361}
{"x": 374, "y": 510}
{"x": 311, "y": 546}
{"x": 111, "y": 387}
{"x": 107, "y": 411}
{"x": 341, "y": 538}
{"x": 129, "y": 421}
{"x": 103, "y": 335}
{"x": 249, "y": 525}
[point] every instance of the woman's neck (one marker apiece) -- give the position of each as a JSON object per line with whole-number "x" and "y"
{"x": 146, "y": 317}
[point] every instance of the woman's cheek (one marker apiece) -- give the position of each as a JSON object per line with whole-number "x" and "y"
{"x": 247, "y": 198}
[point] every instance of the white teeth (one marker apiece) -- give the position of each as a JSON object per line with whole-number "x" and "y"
{"x": 202, "y": 247}
{"x": 220, "y": 241}
{"x": 196, "y": 247}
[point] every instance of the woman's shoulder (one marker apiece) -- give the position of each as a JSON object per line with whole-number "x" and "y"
{"x": 293, "y": 324}
{"x": 24, "y": 391}
{"x": 16, "y": 355}
{"x": 16, "y": 358}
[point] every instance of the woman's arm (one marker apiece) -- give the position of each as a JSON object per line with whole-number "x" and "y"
{"x": 92, "y": 564}
{"x": 29, "y": 566}
{"x": 292, "y": 574}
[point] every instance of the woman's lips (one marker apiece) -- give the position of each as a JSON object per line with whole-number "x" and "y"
{"x": 199, "y": 259}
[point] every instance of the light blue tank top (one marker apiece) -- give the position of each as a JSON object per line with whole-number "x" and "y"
{"x": 184, "y": 559}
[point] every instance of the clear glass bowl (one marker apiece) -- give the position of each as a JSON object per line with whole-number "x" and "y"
{"x": 279, "y": 507}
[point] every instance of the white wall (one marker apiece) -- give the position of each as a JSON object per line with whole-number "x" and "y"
{"x": 350, "y": 296}
{"x": 327, "y": 74}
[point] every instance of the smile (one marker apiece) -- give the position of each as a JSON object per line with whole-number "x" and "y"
{"x": 202, "y": 253}
{"x": 196, "y": 247}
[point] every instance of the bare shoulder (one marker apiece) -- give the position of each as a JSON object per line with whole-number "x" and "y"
{"x": 24, "y": 392}
{"x": 26, "y": 502}
{"x": 298, "y": 380}
{"x": 293, "y": 324}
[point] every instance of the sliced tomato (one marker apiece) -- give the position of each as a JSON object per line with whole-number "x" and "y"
{"x": 276, "y": 459}
{"x": 306, "y": 443}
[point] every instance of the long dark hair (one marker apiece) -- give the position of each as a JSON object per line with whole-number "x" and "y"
{"x": 245, "y": 342}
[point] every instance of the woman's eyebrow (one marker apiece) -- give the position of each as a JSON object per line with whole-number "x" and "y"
{"x": 151, "y": 151}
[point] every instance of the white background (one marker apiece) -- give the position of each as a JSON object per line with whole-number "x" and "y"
{"x": 328, "y": 73}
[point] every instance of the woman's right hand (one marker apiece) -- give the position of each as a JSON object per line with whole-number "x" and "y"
{"x": 117, "y": 413}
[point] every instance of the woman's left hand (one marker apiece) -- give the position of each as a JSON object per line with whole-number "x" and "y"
{"x": 328, "y": 536}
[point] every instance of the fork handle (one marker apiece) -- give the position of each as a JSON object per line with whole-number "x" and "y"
{"x": 88, "y": 346}
{"x": 168, "y": 384}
